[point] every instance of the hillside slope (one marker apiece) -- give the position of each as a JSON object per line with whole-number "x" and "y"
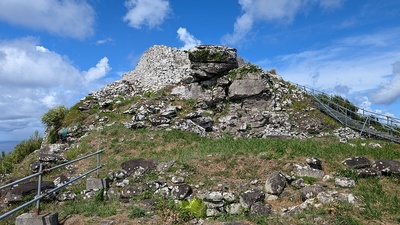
{"x": 201, "y": 137}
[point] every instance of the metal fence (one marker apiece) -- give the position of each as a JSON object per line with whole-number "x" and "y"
{"x": 40, "y": 174}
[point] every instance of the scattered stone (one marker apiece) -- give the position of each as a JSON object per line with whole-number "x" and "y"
{"x": 181, "y": 191}
{"x": 177, "y": 180}
{"x": 260, "y": 209}
{"x": 314, "y": 163}
{"x": 130, "y": 192}
{"x": 299, "y": 183}
{"x": 248, "y": 198}
{"x": 96, "y": 184}
{"x": 68, "y": 195}
{"x": 300, "y": 170}
{"x": 311, "y": 191}
{"x": 345, "y": 182}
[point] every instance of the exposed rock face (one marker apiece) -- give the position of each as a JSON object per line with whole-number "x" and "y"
{"x": 209, "y": 61}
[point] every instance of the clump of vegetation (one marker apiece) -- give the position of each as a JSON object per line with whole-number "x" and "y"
{"x": 22, "y": 150}
{"x": 195, "y": 207}
{"x": 205, "y": 55}
{"x": 54, "y": 117}
{"x": 53, "y": 121}
{"x": 239, "y": 72}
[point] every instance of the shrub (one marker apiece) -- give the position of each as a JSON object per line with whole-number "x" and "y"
{"x": 21, "y": 150}
{"x": 54, "y": 117}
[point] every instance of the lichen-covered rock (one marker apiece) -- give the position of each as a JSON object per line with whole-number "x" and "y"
{"x": 260, "y": 209}
{"x": 311, "y": 191}
{"x": 275, "y": 183}
{"x": 181, "y": 191}
{"x": 302, "y": 170}
{"x": 387, "y": 166}
{"x": 357, "y": 162}
{"x": 345, "y": 182}
{"x": 141, "y": 165}
{"x": 248, "y": 198}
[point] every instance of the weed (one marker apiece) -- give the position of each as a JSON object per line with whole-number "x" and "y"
{"x": 136, "y": 212}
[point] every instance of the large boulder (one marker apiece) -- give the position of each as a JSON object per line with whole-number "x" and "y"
{"x": 275, "y": 183}
{"x": 208, "y": 61}
{"x": 245, "y": 88}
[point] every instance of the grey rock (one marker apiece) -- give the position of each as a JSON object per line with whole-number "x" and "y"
{"x": 234, "y": 208}
{"x": 306, "y": 171}
{"x": 205, "y": 122}
{"x": 260, "y": 209}
{"x": 181, "y": 191}
{"x": 311, "y": 191}
{"x": 275, "y": 183}
{"x": 357, "y": 162}
{"x": 130, "y": 192}
{"x": 387, "y": 166}
{"x": 164, "y": 166}
{"x": 97, "y": 184}
{"x": 68, "y": 195}
{"x": 314, "y": 163}
{"x": 345, "y": 182}
{"x": 249, "y": 197}
{"x": 240, "y": 89}
{"x": 177, "y": 180}
{"x": 299, "y": 183}
{"x": 138, "y": 164}
{"x": 368, "y": 172}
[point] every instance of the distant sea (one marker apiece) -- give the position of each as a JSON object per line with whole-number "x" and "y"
{"x": 8, "y": 146}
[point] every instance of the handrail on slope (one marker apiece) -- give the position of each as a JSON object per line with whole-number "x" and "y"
{"x": 39, "y": 175}
{"x": 343, "y": 115}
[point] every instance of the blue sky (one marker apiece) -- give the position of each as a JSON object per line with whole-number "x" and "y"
{"x": 54, "y": 52}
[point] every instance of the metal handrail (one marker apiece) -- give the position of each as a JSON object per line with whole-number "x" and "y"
{"x": 39, "y": 174}
{"x": 389, "y": 124}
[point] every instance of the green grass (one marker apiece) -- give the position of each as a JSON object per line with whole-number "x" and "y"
{"x": 379, "y": 197}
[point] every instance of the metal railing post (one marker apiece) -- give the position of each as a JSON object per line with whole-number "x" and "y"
{"x": 39, "y": 191}
{"x": 98, "y": 163}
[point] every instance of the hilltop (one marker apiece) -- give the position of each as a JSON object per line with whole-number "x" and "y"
{"x": 202, "y": 137}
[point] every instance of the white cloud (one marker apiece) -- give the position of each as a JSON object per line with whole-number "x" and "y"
{"x": 150, "y": 13}
{"x": 103, "y": 41}
{"x": 360, "y": 63}
{"x": 282, "y": 11}
{"x": 389, "y": 92}
{"x": 70, "y": 18}
{"x": 33, "y": 80}
{"x": 189, "y": 40}
{"x": 101, "y": 69}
